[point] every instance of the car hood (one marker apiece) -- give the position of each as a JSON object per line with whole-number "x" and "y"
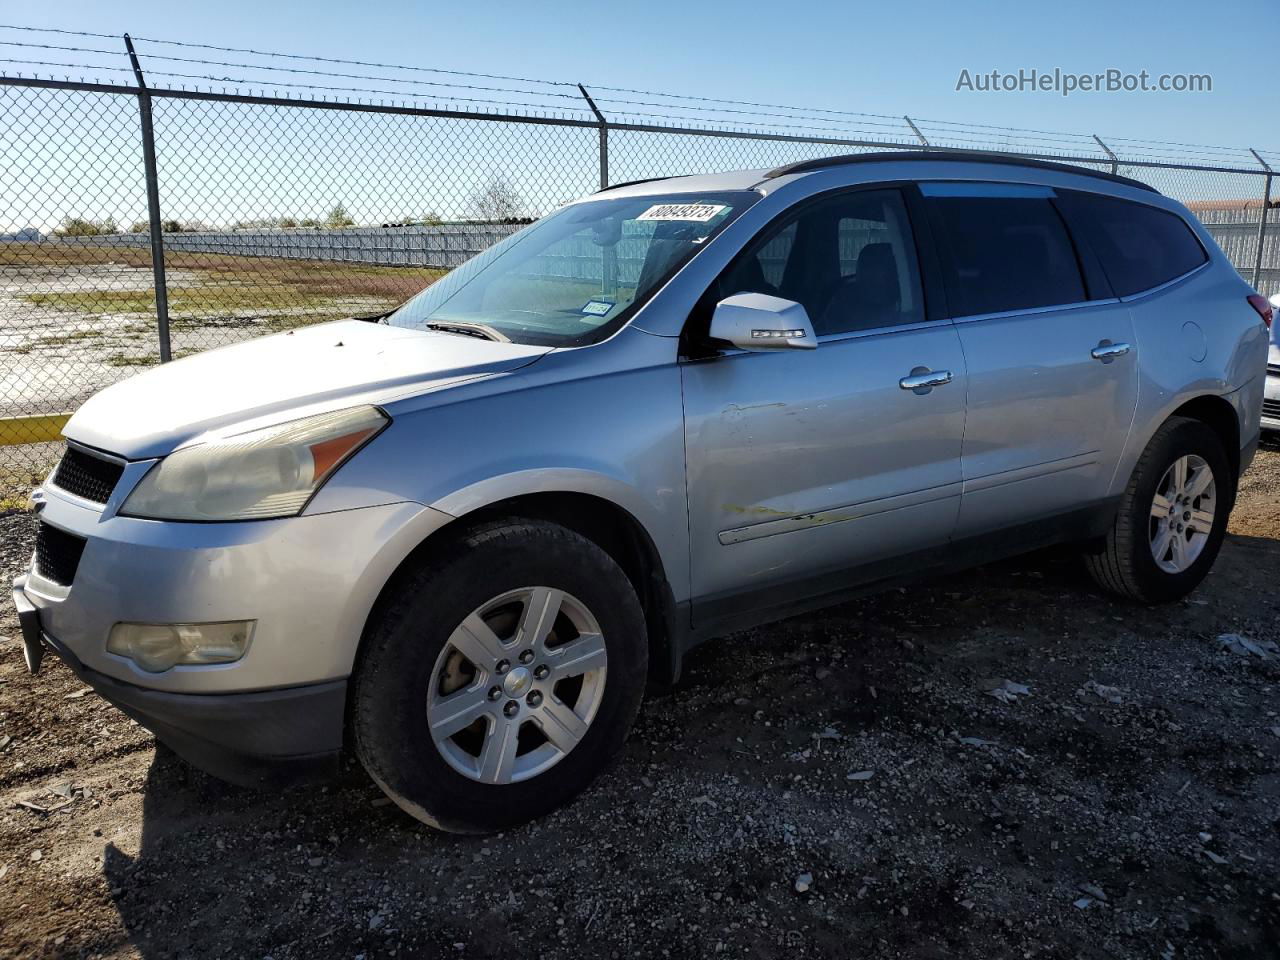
{"x": 274, "y": 378}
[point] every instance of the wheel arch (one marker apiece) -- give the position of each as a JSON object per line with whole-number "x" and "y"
{"x": 1217, "y": 413}
{"x": 1213, "y": 409}
{"x": 612, "y": 527}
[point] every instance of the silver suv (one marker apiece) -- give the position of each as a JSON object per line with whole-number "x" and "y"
{"x": 461, "y": 537}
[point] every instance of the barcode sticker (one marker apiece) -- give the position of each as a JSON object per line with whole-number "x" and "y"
{"x": 691, "y": 212}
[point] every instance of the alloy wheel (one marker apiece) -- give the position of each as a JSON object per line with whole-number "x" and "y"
{"x": 1182, "y": 513}
{"x": 517, "y": 685}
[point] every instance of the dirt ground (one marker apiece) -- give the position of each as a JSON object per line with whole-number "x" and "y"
{"x": 836, "y": 785}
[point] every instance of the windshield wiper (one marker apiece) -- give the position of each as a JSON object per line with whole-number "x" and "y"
{"x": 466, "y": 329}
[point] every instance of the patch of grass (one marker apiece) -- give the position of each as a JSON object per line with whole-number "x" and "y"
{"x": 53, "y": 339}
{"x": 218, "y": 297}
{"x": 214, "y": 298}
{"x": 131, "y": 360}
{"x": 57, "y": 339}
{"x": 315, "y": 276}
{"x": 145, "y": 359}
{"x": 95, "y": 301}
{"x": 277, "y": 324}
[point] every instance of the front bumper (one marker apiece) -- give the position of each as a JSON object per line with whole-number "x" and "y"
{"x": 264, "y": 737}
{"x": 308, "y": 583}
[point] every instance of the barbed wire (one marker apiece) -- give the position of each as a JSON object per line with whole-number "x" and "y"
{"x": 248, "y": 81}
{"x": 436, "y": 98}
{"x": 300, "y": 71}
{"x": 453, "y": 85}
{"x": 71, "y": 33}
{"x": 73, "y": 66}
{"x": 811, "y": 118}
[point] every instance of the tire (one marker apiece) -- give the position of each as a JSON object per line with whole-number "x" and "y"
{"x": 1125, "y": 563}
{"x": 412, "y": 662}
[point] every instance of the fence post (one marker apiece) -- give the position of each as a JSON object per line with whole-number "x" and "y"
{"x": 604, "y": 136}
{"x": 916, "y": 130}
{"x": 1262, "y": 220}
{"x": 153, "y": 206}
{"x": 609, "y": 258}
{"x": 1114, "y": 163}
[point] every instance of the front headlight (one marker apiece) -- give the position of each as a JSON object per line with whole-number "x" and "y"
{"x": 271, "y": 472}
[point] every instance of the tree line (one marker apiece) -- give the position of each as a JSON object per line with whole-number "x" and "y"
{"x": 497, "y": 202}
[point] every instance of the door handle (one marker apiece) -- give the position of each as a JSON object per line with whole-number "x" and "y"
{"x": 921, "y": 380}
{"x": 1107, "y": 351}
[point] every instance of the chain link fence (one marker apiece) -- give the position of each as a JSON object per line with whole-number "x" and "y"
{"x": 139, "y": 224}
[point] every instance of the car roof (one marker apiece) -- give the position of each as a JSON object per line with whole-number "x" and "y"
{"x": 698, "y": 183}
{"x": 758, "y": 179}
{"x": 955, "y": 156}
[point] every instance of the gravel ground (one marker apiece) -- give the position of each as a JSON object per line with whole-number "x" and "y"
{"x": 838, "y": 784}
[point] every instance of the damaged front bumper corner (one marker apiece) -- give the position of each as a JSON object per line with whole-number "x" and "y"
{"x": 269, "y": 737}
{"x": 29, "y": 619}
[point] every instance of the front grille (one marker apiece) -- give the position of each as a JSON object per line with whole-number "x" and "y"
{"x": 1271, "y": 408}
{"x": 1273, "y": 369}
{"x": 57, "y": 554}
{"x": 86, "y": 475}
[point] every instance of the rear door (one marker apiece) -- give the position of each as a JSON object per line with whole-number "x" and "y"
{"x": 803, "y": 463}
{"x": 1051, "y": 354}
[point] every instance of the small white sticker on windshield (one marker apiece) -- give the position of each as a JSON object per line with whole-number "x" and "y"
{"x": 692, "y": 212}
{"x": 597, "y": 308}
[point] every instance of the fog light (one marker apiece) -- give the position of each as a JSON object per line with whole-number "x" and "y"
{"x": 155, "y": 647}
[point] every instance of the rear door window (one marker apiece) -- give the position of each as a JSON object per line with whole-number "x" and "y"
{"x": 1005, "y": 247}
{"x": 1140, "y": 247}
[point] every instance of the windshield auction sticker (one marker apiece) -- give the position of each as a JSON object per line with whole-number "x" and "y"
{"x": 688, "y": 212}
{"x": 597, "y": 308}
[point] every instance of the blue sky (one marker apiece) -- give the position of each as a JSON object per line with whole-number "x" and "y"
{"x": 890, "y": 58}
{"x": 223, "y": 164}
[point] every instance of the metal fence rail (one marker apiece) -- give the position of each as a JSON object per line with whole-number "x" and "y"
{"x": 141, "y": 223}
{"x": 446, "y": 246}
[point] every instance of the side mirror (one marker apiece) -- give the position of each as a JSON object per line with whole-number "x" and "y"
{"x": 757, "y": 321}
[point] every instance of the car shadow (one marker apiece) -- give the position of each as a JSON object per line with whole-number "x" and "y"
{"x": 220, "y": 867}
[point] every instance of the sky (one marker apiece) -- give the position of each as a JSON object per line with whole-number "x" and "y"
{"x": 892, "y": 58}
{"x": 222, "y": 164}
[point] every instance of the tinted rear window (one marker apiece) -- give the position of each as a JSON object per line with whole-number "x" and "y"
{"x": 1006, "y": 253}
{"x": 1140, "y": 247}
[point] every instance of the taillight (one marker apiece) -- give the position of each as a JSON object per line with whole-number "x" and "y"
{"x": 1259, "y": 303}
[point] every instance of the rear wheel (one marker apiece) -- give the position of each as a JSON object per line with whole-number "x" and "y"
{"x": 501, "y": 678}
{"x": 1172, "y": 519}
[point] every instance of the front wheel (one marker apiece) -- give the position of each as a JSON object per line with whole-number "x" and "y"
{"x": 1172, "y": 518}
{"x": 501, "y": 678}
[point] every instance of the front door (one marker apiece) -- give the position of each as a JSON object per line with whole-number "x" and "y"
{"x": 810, "y": 462}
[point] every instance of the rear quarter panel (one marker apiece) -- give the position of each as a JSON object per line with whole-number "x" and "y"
{"x": 1196, "y": 336}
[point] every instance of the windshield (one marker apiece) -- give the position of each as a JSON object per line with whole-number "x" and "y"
{"x": 577, "y": 275}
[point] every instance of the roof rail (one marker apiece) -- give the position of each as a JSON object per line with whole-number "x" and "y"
{"x": 632, "y": 183}
{"x": 967, "y": 156}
